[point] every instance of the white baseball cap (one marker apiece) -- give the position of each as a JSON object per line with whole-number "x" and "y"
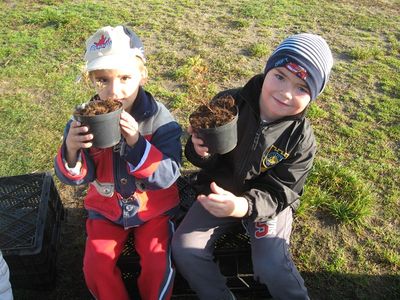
{"x": 113, "y": 48}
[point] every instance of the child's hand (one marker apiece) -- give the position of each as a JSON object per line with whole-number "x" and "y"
{"x": 198, "y": 143}
{"x": 77, "y": 138}
{"x": 129, "y": 128}
{"x": 222, "y": 203}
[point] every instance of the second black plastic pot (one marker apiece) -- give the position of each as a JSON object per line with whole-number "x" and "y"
{"x": 222, "y": 139}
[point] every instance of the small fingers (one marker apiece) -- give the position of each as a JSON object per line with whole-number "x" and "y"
{"x": 198, "y": 145}
{"x": 196, "y": 140}
{"x": 124, "y": 115}
{"x": 75, "y": 124}
{"x": 216, "y": 208}
{"x": 86, "y": 145}
{"x": 82, "y": 138}
{"x": 78, "y": 128}
{"x": 82, "y": 141}
{"x": 78, "y": 136}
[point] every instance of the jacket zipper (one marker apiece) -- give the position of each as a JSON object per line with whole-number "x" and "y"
{"x": 253, "y": 147}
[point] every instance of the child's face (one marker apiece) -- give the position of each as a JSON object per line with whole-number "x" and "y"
{"x": 283, "y": 94}
{"x": 122, "y": 86}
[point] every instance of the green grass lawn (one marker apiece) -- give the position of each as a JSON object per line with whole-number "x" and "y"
{"x": 346, "y": 237}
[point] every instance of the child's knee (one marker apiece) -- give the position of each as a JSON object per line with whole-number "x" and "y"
{"x": 184, "y": 253}
{"x": 272, "y": 267}
{"x": 95, "y": 263}
{"x": 265, "y": 273}
{"x": 155, "y": 264}
{"x": 177, "y": 245}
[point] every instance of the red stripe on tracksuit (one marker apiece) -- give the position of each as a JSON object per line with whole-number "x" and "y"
{"x": 104, "y": 244}
{"x": 150, "y": 164}
{"x": 61, "y": 165}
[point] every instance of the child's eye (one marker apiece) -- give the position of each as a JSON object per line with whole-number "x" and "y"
{"x": 125, "y": 78}
{"x": 101, "y": 80}
{"x": 303, "y": 90}
{"x": 279, "y": 77}
{"x": 101, "y": 83}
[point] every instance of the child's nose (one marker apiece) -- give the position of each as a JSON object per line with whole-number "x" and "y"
{"x": 288, "y": 95}
{"x": 287, "y": 92}
{"x": 115, "y": 91}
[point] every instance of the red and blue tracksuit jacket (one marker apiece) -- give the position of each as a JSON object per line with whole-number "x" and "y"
{"x": 130, "y": 185}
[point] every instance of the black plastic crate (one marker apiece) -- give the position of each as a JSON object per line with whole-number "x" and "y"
{"x": 30, "y": 217}
{"x": 236, "y": 241}
{"x": 187, "y": 194}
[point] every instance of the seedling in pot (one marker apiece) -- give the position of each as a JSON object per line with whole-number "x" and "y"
{"x": 216, "y": 124}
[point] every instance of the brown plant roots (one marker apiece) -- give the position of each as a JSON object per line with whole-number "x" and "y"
{"x": 98, "y": 107}
{"x": 219, "y": 112}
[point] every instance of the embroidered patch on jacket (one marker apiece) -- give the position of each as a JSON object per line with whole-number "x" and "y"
{"x": 271, "y": 157}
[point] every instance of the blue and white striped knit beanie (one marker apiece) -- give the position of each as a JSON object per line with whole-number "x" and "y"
{"x": 308, "y": 51}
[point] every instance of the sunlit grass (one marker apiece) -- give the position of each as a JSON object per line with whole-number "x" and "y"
{"x": 340, "y": 191}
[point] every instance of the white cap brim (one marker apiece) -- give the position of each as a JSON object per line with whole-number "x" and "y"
{"x": 113, "y": 62}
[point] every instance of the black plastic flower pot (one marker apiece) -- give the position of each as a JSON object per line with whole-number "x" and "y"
{"x": 222, "y": 139}
{"x": 104, "y": 127}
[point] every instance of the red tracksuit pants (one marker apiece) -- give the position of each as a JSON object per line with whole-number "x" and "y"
{"x": 104, "y": 244}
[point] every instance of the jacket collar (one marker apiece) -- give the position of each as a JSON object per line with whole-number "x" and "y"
{"x": 144, "y": 106}
{"x": 251, "y": 94}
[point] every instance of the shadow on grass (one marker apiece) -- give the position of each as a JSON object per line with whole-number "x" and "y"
{"x": 328, "y": 286}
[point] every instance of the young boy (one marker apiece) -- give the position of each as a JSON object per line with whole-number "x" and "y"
{"x": 5, "y": 286}
{"x": 132, "y": 185}
{"x": 261, "y": 180}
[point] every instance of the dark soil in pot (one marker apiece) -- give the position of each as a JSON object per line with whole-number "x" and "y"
{"x": 215, "y": 124}
{"x": 217, "y": 113}
{"x": 97, "y": 107}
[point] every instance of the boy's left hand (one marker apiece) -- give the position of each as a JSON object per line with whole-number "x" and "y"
{"x": 222, "y": 203}
{"x": 129, "y": 128}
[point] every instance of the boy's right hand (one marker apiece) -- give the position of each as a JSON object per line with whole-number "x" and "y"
{"x": 77, "y": 138}
{"x": 198, "y": 143}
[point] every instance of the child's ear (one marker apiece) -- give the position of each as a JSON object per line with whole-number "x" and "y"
{"x": 144, "y": 74}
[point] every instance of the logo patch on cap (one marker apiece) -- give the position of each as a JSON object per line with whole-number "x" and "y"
{"x": 297, "y": 70}
{"x": 102, "y": 43}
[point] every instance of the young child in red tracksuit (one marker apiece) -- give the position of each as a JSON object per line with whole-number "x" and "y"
{"x": 131, "y": 185}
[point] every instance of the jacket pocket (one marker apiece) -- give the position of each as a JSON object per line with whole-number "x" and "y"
{"x": 102, "y": 198}
{"x": 105, "y": 189}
